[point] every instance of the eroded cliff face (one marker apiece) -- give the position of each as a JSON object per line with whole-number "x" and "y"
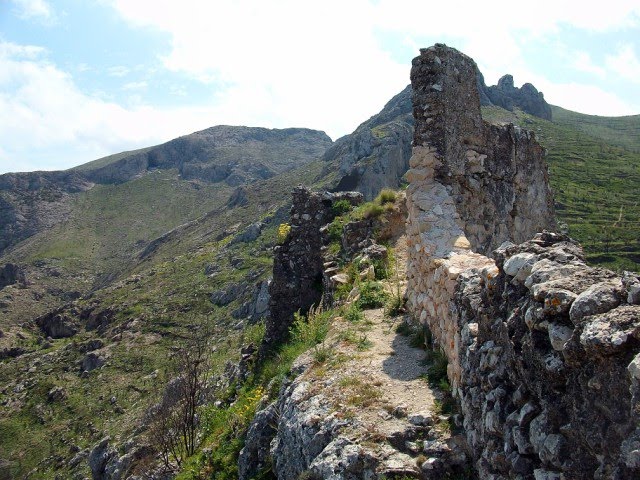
{"x": 543, "y": 350}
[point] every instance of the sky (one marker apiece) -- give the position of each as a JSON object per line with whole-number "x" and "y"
{"x": 82, "y": 79}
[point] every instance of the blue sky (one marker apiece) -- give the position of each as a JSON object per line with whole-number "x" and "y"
{"x": 84, "y": 79}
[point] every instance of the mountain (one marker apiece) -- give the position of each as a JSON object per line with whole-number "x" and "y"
{"x": 107, "y": 267}
{"x": 75, "y": 231}
{"x": 376, "y": 155}
{"x": 505, "y": 95}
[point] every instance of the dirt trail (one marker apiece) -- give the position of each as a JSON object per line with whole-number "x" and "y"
{"x": 392, "y": 370}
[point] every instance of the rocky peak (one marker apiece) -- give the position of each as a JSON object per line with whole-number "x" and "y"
{"x": 508, "y": 96}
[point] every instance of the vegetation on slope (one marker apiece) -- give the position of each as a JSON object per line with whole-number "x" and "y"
{"x": 623, "y": 132}
{"x": 595, "y": 185}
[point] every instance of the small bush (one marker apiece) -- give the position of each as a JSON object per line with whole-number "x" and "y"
{"x": 341, "y": 207}
{"x": 394, "y": 306}
{"x": 371, "y": 210}
{"x": 372, "y": 295}
{"x": 313, "y": 329}
{"x": 283, "y": 232}
{"x": 386, "y": 196}
{"x": 335, "y": 229}
{"x": 353, "y": 314}
{"x": 437, "y": 371}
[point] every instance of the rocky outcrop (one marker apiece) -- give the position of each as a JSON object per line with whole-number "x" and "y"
{"x": 376, "y": 155}
{"x": 506, "y": 95}
{"x": 59, "y": 323}
{"x": 298, "y": 263}
{"x": 543, "y": 350}
{"x": 12, "y": 274}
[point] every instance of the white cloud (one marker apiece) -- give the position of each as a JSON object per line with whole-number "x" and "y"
{"x": 625, "y": 63}
{"x": 135, "y": 85}
{"x": 572, "y": 97}
{"x": 296, "y": 63}
{"x": 118, "y": 71}
{"x": 47, "y": 122}
{"x": 582, "y": 62}
{"x": 285, "y": 63}
{"x": 35, "y": 9}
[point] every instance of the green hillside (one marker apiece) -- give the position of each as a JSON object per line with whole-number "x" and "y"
{"x": 595, "y": 181}
{"x": 623, "y": 132}
{"x": 163, "y": 298}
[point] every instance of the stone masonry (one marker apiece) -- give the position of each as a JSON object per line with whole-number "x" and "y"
{"x": 298, "y": 264}
{"x": 543, "y": 350}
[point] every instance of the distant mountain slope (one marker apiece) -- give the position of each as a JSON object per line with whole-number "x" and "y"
{"x": 231, "y": 154}
{"x": 376, "y": 155}
{"x": 75, "y": 231}
{"x": 109, "y": 159}
{"x": 623, "y": 132}
{"x": 595, "y": 183}
{"x": 30, "y": 202}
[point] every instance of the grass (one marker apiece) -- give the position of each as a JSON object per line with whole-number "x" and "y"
{"x": 595, "y": 174}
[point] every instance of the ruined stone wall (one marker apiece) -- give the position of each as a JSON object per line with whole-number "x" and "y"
{"x": 472, "y": 187}
{"x": 550, "y": 365}
{"x": 543, "y": 350}
{"x": 298, "y": 264}
{"x": 494, "y": 176}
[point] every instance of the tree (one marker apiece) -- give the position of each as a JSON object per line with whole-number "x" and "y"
{"x": 174, "y": 429}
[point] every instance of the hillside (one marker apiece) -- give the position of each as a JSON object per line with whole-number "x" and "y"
{"x": 73, "y": 232}
{"x": 595, "y": 182}
{"x": 623, "y": 132}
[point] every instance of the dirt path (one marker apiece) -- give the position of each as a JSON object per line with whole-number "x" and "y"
{"x": 384, "y": 382}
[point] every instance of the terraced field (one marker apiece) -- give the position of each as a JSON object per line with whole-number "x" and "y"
{"x": 595, "y": 176}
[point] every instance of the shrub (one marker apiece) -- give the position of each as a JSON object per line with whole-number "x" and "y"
{"x": 372, "y": 295}
{"x": 394, "y": 306}
{"x": 437, "y": 371}
{"x": 371, "y": 210}
{"x": 353, "y": 314}
{"x": 313, "y": 329}
{"x": 335, "y": 229}
{"x": 283, "y": 232}
{"x": 341, "y": 207}
{"x": 386, "y": 196}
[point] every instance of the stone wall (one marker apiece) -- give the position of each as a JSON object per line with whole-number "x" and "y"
{"x": 298, "y": 263}
{"x": 543, "y": 350}
{"x": 472, "y": 187}
{"x": 549, "y": 364}
{"x": 494, "y": 177}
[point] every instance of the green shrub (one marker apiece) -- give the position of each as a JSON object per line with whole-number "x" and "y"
{"x": 437, "y": 370}
{"x": 394, "y": 306}
{"x": 335, "y": 229}
{"x": 372, "y": 295}
{"x": 386, "y": 196}
{"x": 353, "y": 313}
{"x": 371, "y": 210}
{"x": 341, "y": 207}
{"x": 313, "y": 329}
